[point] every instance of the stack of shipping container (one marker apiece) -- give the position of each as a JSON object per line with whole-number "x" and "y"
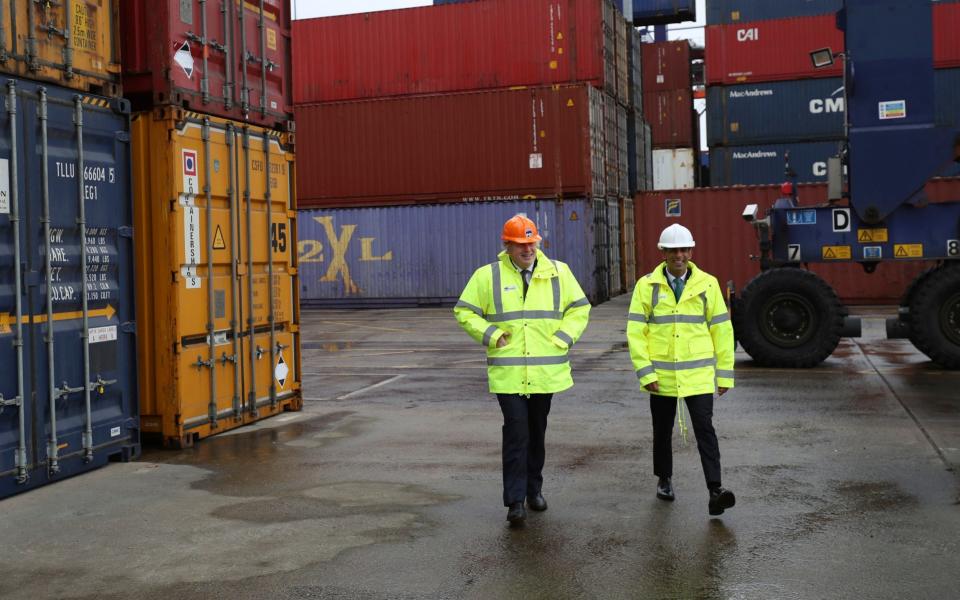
{"x": 424, "y": 129}
{"x": 765, "y": 99}
{"x": 138, "y": 288}
{"x": 215, "y": 215}
{"x": 668, "y": 107}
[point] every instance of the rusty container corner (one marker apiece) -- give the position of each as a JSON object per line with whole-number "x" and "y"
{"x": 79, "y": 50}
{"x": 218, "y": 305}
{"x": 229, "y": 59}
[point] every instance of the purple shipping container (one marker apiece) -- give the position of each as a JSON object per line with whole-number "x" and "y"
{"x": 390, "y": 256}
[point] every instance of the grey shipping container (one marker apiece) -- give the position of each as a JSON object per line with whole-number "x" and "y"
{"x": 638, "y": 152}
{"x": 623, "y": 152}
{"x": 613, "y": 249}
{"x": 391, "y": 256}
{"x": 648, "y": 156}
{"x": 636, "y": 70}
{"x": 611, "y": 144}
{"x": 753, "y": 165}
{"x": 68, "y": 390}
{"x": 781, "y": 111}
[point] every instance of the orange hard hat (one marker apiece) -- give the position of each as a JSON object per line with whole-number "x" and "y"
{"x": 521, "y": 230}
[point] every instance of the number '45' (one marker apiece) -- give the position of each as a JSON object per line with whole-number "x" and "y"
{"x": 278, "y": 237}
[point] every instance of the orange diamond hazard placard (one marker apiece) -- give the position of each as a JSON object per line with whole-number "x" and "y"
{"x": 281, "y": 371}
{"x": 218, "y": 243}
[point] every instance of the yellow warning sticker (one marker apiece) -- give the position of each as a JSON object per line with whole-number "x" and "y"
{"x": 559, "y": 35}
{"x": 908, "y": 250}
{"x": 574, "y": 216}
{"x": 836, "y": 252}
{"x": 553, "y": 64}
{"x": 560, "y": 50}
{"x": 570, "y": 102}
{"x": 272, "y": 39}
{"x": 218, "y": 243}
{"x": 872, "y": 235}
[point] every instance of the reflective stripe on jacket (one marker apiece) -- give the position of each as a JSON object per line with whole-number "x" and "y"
{"x": 542, "y": 328}
{"x": 687, "y": 345}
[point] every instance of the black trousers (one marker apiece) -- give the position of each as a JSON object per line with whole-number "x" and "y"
{"x": 664, "y": 411}
{"x": 524, "y": 430}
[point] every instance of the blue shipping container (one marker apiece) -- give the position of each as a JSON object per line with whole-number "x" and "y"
{"x": 661, "y": 12}
{"x": 724, "y": 12}
{"x": 764, "y": 113}
{"x": 66, "y": 275}
{"x": 753, "y": 165}
{"x": 946, "y": 89}
{"x": 392, "y": 256}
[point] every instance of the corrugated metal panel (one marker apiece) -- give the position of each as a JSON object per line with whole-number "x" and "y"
{"x": 467, "y": 46}
{"x": 947, "y": 96}
{"x": 628, "y": 246}
{"x": 66, "y": 252}
{"x": 242, "y": 73}
{"x": 771, "y": 112}
{"x": 757, "y": 165}
{"x": 656, "y": 12}
{"x": 615, "y": 260}
{"x": 215, "y": 210}
{"x": 723, "y": 12}
{"x": 946, "y": 42}
{"x": 625, "y": 7}
{"x": 634, "y": 152}
{"x": 670, "y": 115}
{"x": 772, "y": 50}
{"x": 79, "y": 50}
{"x": 648, "y": 153}
{"x": 612, "y": 145}
{"x": 636, "y": 70}
{"x": 501, "y": 144}
{"x": 674, "y": 169}
{"x": 666, "y": 66}
{"x": 725, "y": 242}
{"x": 623, "y": 154}
{"x": 601, "y": 248}
{"x": 391, "y": 255}
{"x": 623, "y": 62}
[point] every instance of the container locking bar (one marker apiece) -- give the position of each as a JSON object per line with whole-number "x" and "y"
{"x": 21, "y": 454}
{"x": 268, "y": 197}
{"x": 211, "y": 316}
{"x": 230, "y": 135}
{"x": 53, "y": 462}
{"x": 255, "y": 352}
{"x": 228, "y": 67}
{"x": 82, "y": 226}
{"x": 244, "y": 88}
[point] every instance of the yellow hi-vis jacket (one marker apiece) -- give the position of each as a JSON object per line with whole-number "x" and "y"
{"x": 687, "y": 345}
{"x": 542, "y": 328}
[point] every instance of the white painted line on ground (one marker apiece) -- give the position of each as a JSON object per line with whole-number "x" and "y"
{"x": 370, "y": 387}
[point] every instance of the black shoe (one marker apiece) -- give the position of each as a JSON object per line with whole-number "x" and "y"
{"x": 720, "y": 500}
{"x": 664, "y": 489}
{"x": 537, "y": 503}
{"x": 516, "y": 515}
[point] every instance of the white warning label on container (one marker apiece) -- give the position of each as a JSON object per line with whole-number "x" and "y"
{"x": 190, "y": 277}
{"x": 893, "y": 109}
{"x": 103, "y": 334}
{"x": 184, "y": 58}
{"x": 281, "y": 371}
{"x": 4, "y": 187}
{"x": 191, "y": 235}
{"x": 536, "y": 160}
{"x": 190, "y": 183}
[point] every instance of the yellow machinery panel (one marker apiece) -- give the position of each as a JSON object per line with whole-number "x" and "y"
{"x": 73, "y": 43}
{"x": 217, "y": 293}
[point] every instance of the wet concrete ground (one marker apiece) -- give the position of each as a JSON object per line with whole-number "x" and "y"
{"x": 387, "y": 485}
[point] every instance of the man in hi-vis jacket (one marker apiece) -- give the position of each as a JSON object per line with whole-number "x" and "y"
{"x": 527, "y": 310}
{"x": 681, "y": 344}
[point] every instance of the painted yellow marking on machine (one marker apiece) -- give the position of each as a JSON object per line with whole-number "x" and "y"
{"x": 908, "y": 250}
{"x": 872, "y": 235}
{"x": 836, "y": 252}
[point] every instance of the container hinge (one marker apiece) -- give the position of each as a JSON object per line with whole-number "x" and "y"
{"x": 203, "y": 363}
{"x": 281, "y": 347}
{"x": 224, "y": 359}
{"x": 8, "y": 402}
{"x": 50, "y": 28}
{"x": 125, "y": 231}
{"x": 259, "y": 352}
{"x": 128, "y": 327}
{"x": 194, "y": 37}
{"x": 218, "y": 46}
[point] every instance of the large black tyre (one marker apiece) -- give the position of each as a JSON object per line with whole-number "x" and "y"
{"x": 907, "y": 300}
{"x": 934, "y": 316}
{"x": 788, "y": 317}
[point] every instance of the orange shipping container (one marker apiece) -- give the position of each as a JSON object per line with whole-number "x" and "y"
{"x": 73, "y": 44}
{"x": 217, "y": 304}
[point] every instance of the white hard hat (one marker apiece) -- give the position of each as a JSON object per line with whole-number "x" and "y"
{"x": 676, "y": 236}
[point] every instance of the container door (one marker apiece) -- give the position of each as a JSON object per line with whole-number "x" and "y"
{"x": 261, "y": 44}
{"x": 68, "y": 171}
{"x": 601, "y": 242}
{"x": 266, "y": 225}
{"x": 613, "y": 248}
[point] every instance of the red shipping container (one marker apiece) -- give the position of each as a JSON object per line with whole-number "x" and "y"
{"x": 946, "y": 41}
{"x": 228, "y": 59}
{"x": 545, "y": 142}
{"x": 454, "y": 47}
{"x": 774, "y": 50}
{"x": 779, "y": 49}
{"x": 671, "y": 117}
{"x": 666, "y": 66}
{"x": 725, "y": 241}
